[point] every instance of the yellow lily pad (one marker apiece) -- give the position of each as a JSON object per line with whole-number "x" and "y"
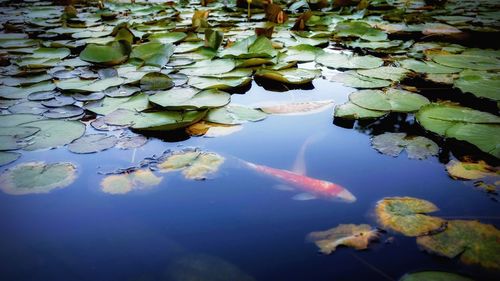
{"x": 127, "y": 182}
{"x": 350, "y": 235}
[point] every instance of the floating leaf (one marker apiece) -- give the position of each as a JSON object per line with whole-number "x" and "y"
{"x": 336, "y": 60}
{"x": 54, "y": 133}
{"x": 392, "y": 144}
{"x": 18, "y": 132}
{"x": 250, "y": 47}
{"x": 189, "y": 98}
{"x": 112, "y": 54}
{"x": 466, "y": 61}
{"x": 213, "y": 38}
{"x": 154, "y": 121}
{"x": 350, "y": 235}
{"x": 470, "y": 170}
{"x": 485, "y": 136}
{"x": 156, "y": 81}
{"x": 167, "y": 37}
{"x": 62, "y": 112}
{"x": 37, "y": 177}
{"x": 433, "y": 276}
{"x": 10, "y": 143}
{"x": 482, "y": 84}
{"x": 178, "y": 160}
{"x": 350, "y": 110}
{"x": 51, "y": 53}
{"x": 289, "y": 75}
{"x": 92, "y": 143}
{"x": 126, "y": 182}
{"x": 392, "y": 100}
{"x": 233, "y": 114}
{"x": 13, "y": 120}
{"x": 209, "y": 67}
{"x": 8, "y": 92}
{"x": 353, "y": 79}
{"x": 137, "y": 102}
{"x": 212, "y": 130}
{"x": 427, "y": 67}
{"x": 8, "y": 157}
{"x": 218, "y": 83}
{"x": 302, "y": 53}
{"x": 80, "y": 85}
{"x": 474, "y": 242}
{"x": 153, "y": 53}
{"x": 359, "y": 29}
{"x": 385, "y": 72}
{"x": 406, "y": 215}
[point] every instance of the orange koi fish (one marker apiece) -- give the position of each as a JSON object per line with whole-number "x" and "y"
{"x": 312, "y": 188}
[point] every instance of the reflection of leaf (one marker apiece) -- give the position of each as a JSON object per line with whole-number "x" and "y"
{"x": 297, "y": 108}
{"x": 471, "y": 170}
{"x": 350, "y": 235}
{"x": 37, "y": 177}
{"x": 406, "y": 215}
{"x": 393, "y": 143}
{"x": 126, "y": 182}
{"x": 475, "y": 242}
{"x": 433, "y": 276}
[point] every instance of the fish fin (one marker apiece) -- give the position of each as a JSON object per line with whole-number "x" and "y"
{"x": 304, "y": 196}
{"x": 299, "y": 166}
{"x": 283, "y": 187}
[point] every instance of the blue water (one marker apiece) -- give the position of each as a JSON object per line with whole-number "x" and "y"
{"x": 235, "y": 225}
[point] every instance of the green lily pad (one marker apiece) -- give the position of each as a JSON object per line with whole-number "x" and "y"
{"x": 482, "y": 84}
{"x": 350, "y": 110}
{"x": 8, "y": 157}
{"x": 154, "y": 81}
{"x": 37, "y": 177}
{"x": 218, "y": 83}
{"x": 189, "y": 98}
{"x": 153, "y": 53}
{"x": 13, "y": 120}
{"x": 195, "y": 164}
{"x": 385, "y": 72}
{"x": 336, "y": 60}
{"x": 353, "y": 79}
{"x": 54, "y": 133}
{"x": 92, "y": 143}
{"x": 8, "y": 92}
{"x": 154, "y": 121}
{"x": 302, "y": 53}
{"x": 112, "y": 54}
{"x": 406, "y": 215}
{"x": 392, "y": 100}
{"x": 350, "y": 235}
{"x": 485, "y": 136}
{"x": 167, "y": 37}
{"x": 18, "y": 132}
{"x": 213, "y": 38}
{"x": 289, "y": 75}
{"x": 10, "y": 143}
{"x": 393, "y": 144}
{"x": 233, "y": 114}
{"x": 51, "y": 53}
{"x": 474, "y": 242}
{"x": 81, "y": 85}
{"x": 137, "y": 102}
{"x": 209, "y": 67}
{"x": 428, "y": 67}
{"x": 126, "y": 182}
{"x": 433, "y": 276}
{"x": 250, "y": 47}
{"x": 359, "y": 29}
{"x": 465, "y": 61}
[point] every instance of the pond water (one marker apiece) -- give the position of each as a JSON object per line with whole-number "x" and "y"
{"x": 411, "y": 111}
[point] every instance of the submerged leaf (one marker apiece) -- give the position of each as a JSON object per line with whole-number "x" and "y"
{"x": 406, "y": 215}
{"x": 350, "y": 235}
{"x": 474, "y": 242}
{"x": 126, "y": 182}
{"x": 195, "y": 164}
{"x": 37, "y": 177}
{"x": 417, "y": 147}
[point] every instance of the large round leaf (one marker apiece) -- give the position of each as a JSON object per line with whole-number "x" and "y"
{"x": 153, "y": 53}
{"x": 480, "y": 83}
{"x": 209, "y": 67}
{"x": 111, "y": 54}
{"x": 392, "y": 100}
{"x": 465, "y": 61}
{"x": 289, "y": 75}
{"x": 54, "y": 133}
{"x": 428, "y": 67}
{"x": 189, "y": 98}
{"x": 485, "y": 136}
{"x": 92, "y": 143}
{"x": 233, "y": 114}
{"x": 154, "y": 121}
{"x": 336, "y": 60}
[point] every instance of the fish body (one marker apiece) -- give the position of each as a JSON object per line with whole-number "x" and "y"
{"x": 312, "y": 188}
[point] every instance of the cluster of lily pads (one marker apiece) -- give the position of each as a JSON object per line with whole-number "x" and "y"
{"x": 473, "y": 242}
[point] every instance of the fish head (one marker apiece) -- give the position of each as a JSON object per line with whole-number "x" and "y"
{"x": 337, "y": 192}
{"x": 346, "y": 196}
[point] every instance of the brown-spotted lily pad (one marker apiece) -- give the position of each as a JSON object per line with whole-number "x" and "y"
{"x": 474, "y": 242}
{"x": 407, "y": 215}
{"x": 471, "y": 170}
{"x": 37, "y": 177}
{"x": 195, "y": 164}
{"x": 350, "y": 235}
{"x": 393, "y": 144}
{"x": 126, "y": 182}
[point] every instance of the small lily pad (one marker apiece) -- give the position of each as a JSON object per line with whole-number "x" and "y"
{"x": 350, "y": 110}
{"x": 350, "y": 235}
{"x": 393, "y": 144}
{"x": 474, "y": 242}
{"x": 407, "y": 215}
{"x": 126, "y": 182}
{"x": 289, "y": 75}
{"x": 195, "y": 164}
{"x": 92, "y": 143}
{"x": 153, "y": 53}
{"x": 218, "y": 83}
{"x": 233, "y": 115}
{"x": 37, "y": 177}
{"x": 189, "y": 98}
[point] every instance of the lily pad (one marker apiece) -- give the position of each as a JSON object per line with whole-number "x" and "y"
{"x": 188, "y": 98}
{"x": 355, "y": 80}
{"x": 485, "y": 136}
{"x": 393, "y": 144}
{"x": 433, "y": 276}
{"x": 218, "y": 83}
{"x": 302, "y": 53}
{"x": 234, "y": 114}
{"x": 153, "y": 53}
{"x": 37, "y": 177}
{"x": 289, "y": 75}
{"x": 350, "y": 110}
{"x": 112, "y": 54}
{"x": 137, "y": 102}
{"x": 18, "y": 132}
{"x": 250, "y": 47}
{"x": 336, "y": 60}
{"x": 10, "y": 143}
{"x": 154, "y": 121}
{"x": 471, "y": 170}
{"x": 359, "y": 29}
{"x": 126, "y": 182}
{"x": 8, "y": 157}
{"x": 474, "y": 242}
{"x": 54, "y": 133}
{"x": 385, "y": 72}
{"x": 428, "y": 67}
{"x": 92, "y": 143}
{"x": 13, "y": 120}
{"x": 212, "y": 130}
{"x": 81, "y": 85}
{"x": 156, "y": 81}
{"x": 465, "y": 61}
{"x": 167, "y": 37}
{"x": 407, "y": 215}
{"x": 209, "y": 67}
{"x": 482, "y": 84}
{"x": 350, "y": 235}
{"x": 392, "y": 100}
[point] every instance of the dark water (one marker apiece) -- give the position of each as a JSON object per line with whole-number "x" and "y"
{"x": 234, "y": 226}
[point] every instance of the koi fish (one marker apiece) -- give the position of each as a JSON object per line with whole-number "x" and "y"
{"x": 312, "y": 188}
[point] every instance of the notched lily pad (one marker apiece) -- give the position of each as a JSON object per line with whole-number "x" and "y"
{"x": 393, "y": 144}
{"x": 54, "y": 133}
{"x": 92, "y": 143}
{"x": 289, "y": 75}
{"x": 126, "y": 182}
{"x": 471, "y": 170}
{"x": 37, "y": 177}
{"x": 195, "y": 164}
{"x": 407, "y": 215}
{"x": 234, "y": 114}
{"x": 350, "y": 235}
{"x": 474, "y": 242}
